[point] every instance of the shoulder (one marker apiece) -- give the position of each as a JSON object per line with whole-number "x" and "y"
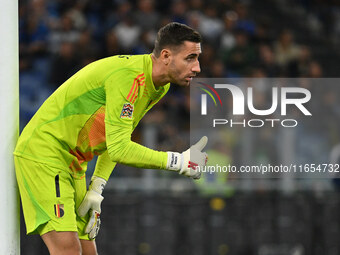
{"x": 127, "y": 76}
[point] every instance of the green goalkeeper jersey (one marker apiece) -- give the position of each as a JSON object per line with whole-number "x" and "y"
{"x": 94, "y": 113}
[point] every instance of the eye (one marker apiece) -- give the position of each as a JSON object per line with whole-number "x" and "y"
{"x": 190, "y": 58}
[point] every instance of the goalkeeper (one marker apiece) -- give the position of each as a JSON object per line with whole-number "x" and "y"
{"x": 94, "y": 113}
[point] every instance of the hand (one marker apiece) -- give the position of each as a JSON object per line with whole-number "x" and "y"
{"x": 91, "y": 204}
{"x": 190, "y": 161}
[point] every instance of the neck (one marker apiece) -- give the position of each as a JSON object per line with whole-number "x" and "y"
{"x": 159, "y": 76}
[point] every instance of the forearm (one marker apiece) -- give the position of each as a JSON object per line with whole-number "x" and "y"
{"x": 122, "y": 150}
{"x": 104, "y": 166}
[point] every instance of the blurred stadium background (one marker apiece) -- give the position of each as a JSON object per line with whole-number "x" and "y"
{"x": 155, "y": 212}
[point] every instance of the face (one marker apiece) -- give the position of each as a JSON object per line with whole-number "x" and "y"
{"x": 183, "y": 63}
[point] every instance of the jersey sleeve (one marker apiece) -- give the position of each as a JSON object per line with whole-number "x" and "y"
{"x": 104, "y": 166}
{"x": 119, "y": 116}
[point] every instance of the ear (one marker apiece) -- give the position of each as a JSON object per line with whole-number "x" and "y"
{"x": 165, "y": 56}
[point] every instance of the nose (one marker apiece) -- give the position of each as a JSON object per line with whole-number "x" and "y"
{"x": 196, "y": 67}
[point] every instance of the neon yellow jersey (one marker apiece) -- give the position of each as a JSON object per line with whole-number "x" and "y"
{"x": 95, "y": 111}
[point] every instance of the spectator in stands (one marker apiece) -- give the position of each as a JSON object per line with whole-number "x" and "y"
{"x": 223, "y": 6}
{"x": 77, "y": 15}
{"x": 64, "y": 64}
{"x": 115, "y": 15}
{"x": 218, "y": 70}
{"x": 210, "y": 25}
{"x": 178, "y": 12}
{"x": 145, "y": 45}
{"x": 262, "y": 34}
{"x": 314, "y": 70}
{"x": 239, "y": 58}
{"x": 299, "y": 67}
{"x": 285, "y": 49}
{"x": 196, "y": 5}
{"x": 244, "y": 22}
{"x": 65, "y": 32}
{"x": 146, "y": 17}
{"x": 207, "y": 58}
{"x": 227, "y": 36}
{"x": 111, "y": 46}
{"x": 267, "y": 61}
{"x": 34, "y": 31}
{"x": 87, "y": 48}
{"x": 127, "y": 32}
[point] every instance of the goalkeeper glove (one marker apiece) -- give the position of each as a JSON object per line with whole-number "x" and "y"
{"x": 91, "y": 205}
{"x": 189, "y": 162}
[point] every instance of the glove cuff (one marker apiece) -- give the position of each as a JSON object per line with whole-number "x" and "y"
{"x": 97, "y": 184}
{"x": 174, "y": 161}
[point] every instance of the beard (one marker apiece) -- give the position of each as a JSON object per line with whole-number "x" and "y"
{"x": 175, "y": 77}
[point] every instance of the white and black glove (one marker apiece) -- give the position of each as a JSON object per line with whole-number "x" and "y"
{"x": 91, "y": 204}
{"x": 190, "y": 161}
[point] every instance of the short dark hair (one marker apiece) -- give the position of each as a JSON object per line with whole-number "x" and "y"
{"x": 174, "y": 34}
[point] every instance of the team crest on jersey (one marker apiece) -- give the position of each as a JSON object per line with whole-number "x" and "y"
{"x": 59, "y": 210}
{"x": 127, "y": 111}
